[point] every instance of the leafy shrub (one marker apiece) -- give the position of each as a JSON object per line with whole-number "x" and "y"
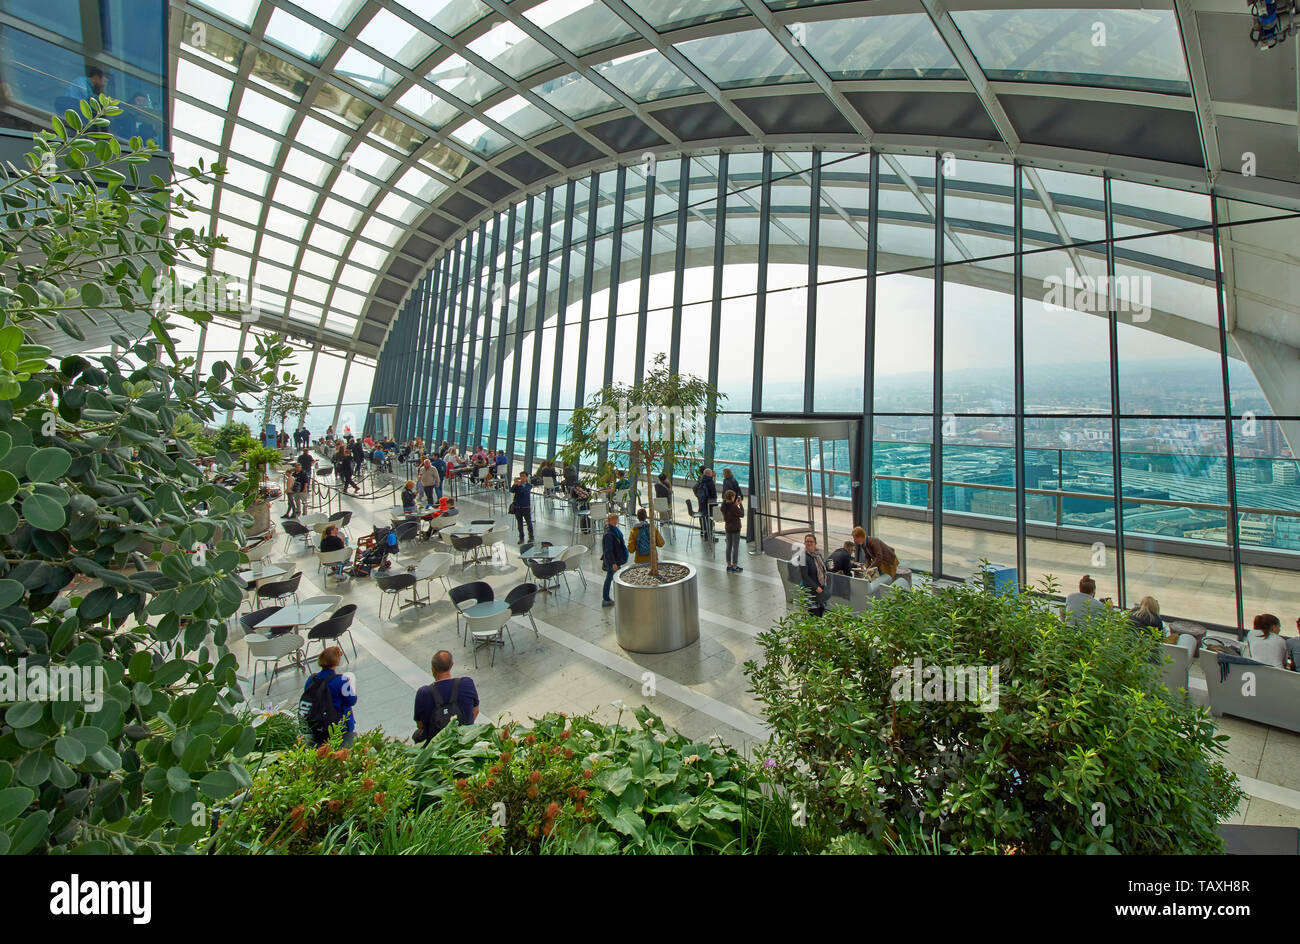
{"x": 298, "y": 798}
{"x": 109, "y": 571}
{"x": 1084, "y": 752}
{"x": 229, "y": 434}
{"x": 575, "y": 785}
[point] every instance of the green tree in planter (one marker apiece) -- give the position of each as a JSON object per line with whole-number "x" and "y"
{"x": 660, "y": 417}
{"x": 285, "y": 401}
{"x": 1084, "y": 751}
{"x": 109, "y": 569}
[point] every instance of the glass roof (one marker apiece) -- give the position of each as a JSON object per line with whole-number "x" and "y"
{"x": 345, "y": 125}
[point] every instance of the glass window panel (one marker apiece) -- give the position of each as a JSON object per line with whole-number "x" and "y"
{"x": 361, "y": 70}
{"x": 354, "y": 187}
{"x": 480, "y": 137}
{"x": 751, "y": 57}
{"x": 246, "y": 176}
{"x": 900, "y": 482}
{"x": 237, "y": 237}
{"x": 646, "y": 76}
{"x": 897, "y": 46}
{"x": 512, "y": 50}
{"x": 463, "y": 79}
{"x": 1174, "y": 474}
{"x": 270, "y": 71}
{"x": 1073, "y": 377}
{"x": 521, "y": 117}
{"x": 397, "y": 39}
{"x": 344, "y": 106}
{"x": 450, "y": 16}
{"x": 1136, "y": 49}
{"x": 663, "y": 14}
{"x": 580, "y": 25}
{"x": 320, "y": 137}
{"x": 904, "y": 381}
{"x": 318, "y": 264}
{"x": 291, "y": 33}
{"x": 204, "y": 84}
{"x": 285, "y": 224}
{"x": 423, "y": 104}
{"x": 254, "y": 146}
{"x": 311, "y": 290}
{"x": 978, "y": 493}
{"x": 236, "y": 206}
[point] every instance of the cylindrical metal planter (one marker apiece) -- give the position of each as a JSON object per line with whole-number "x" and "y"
{"x": 657, "y": 619}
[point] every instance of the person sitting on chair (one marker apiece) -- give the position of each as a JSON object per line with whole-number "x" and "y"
{"x": 841, "y": 561}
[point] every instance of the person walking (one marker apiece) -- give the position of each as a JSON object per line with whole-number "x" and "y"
{"x": 733, "y": 513}
{"x": 613, "y": 556}
{"x": 343, "y": 469}
{"x": 522, "y": 506}
{"x": 706, "y": 490}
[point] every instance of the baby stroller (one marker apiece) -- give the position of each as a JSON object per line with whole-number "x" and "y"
{"x": 372, "y": 552}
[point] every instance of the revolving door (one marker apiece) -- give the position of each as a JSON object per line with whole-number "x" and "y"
{"x": 807, "y": 477}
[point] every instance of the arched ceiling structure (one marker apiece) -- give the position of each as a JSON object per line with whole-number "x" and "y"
{"x": 362, "y": 136}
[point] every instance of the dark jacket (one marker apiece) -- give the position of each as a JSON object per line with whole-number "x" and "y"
{"x": 523, "y": 497}
{"x": 408, "y": 499}
{"x": 733, "y": 513}
{"x": 306, "y": 461}
{"x": 662, "y": 490}
{"x": 706, "y": 491}
{"x": 730, "y": 484}
{"x": 841, "y": 562}
{"x": 613, "y": 548}
{"x": 331, "y": 542}
{"x": 342, "y": 463}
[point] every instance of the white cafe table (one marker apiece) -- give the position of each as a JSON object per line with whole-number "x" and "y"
{"x": 292, "y": 616}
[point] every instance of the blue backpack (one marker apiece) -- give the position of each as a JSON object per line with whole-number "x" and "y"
{"x": 643, "y": 539}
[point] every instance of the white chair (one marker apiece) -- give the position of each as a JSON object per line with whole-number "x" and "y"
{"x": 486, "y": 631}
{"x": 260, "y": 551}
{"x": 326, "y": 560}
{"x": 433, "y": 567}
{"x": 496, "y": 539}
{"x": 573, "y": 557}
{"x": 264, "y": 650}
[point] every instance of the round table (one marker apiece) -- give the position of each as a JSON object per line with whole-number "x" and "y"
{"x": 490, "y": 608}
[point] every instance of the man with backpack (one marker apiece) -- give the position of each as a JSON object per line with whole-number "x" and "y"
{"x": 706, "y": 491}
{"x": 327, "y": 699}
{"x": 445, "y": 701}
{"x": 522, "y": 506}
{"x": 613, "y": 556}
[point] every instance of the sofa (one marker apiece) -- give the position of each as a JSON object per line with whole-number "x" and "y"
{"x": 1275, "y": 699}
{"x": 1177, "y": 660}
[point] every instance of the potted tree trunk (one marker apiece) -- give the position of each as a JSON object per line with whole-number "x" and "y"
{"x": 657, "y": 419}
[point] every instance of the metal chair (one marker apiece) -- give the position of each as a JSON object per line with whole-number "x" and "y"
{"x": 486, "y": 631}
{"x": 572, "y": 557}
{"x": 496, "y": 539}
{"x": 405, "y": 532}
{"x": 663, "y": 509}
{"x": 521, "y": 600}
{"x": 332, "y": 629}
{"x": 278, "y": 590}
{"x": 293, "y": 530}
{"x": 250, "y": 620}
{"x": 272, "y": 649}
{"x": 260, "y": 551}
{"x": 469, "y": 594}
{"x": 342, "y": 519}
{"x": 695, "y": 516}
{"x": 394, "y": 584}
{"x": 465, "y": 543}
{"x": 547, "y": 570}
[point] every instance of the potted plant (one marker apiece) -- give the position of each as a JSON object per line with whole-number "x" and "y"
{"x": 659, "y": 418}
{"x": 258, "y": 460}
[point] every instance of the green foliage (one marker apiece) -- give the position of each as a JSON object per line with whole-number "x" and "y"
{"x": 654, "y": 437}
{"x": 258, "y": 459}
{"x": 435, "y": 830}
{"x": 193, "y": 432}
{"x": 229, "y": 434}
{"x": 301, "y": 796}
{"x": 575, "y": 785}
{"x": 1085, "y": 751}
{"x": 109, "y": 569}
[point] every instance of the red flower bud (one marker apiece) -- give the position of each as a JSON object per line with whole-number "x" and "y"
{"x": 535, "y": 777}
{"x": 532, "y": 793}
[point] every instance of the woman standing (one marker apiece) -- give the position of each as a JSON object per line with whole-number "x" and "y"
{"x": 812, "y": 573}
{"x": 732, "y": 514}
{"x": 339, "y": 689}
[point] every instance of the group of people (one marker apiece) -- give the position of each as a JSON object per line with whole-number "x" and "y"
{"x": 1264, "y": 641}
{"x": 297, "y": 484}
{"x": 863, "y": 556}
{"x": 329, "y": 700}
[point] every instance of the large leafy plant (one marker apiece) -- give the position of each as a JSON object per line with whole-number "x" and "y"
{"x": 658, "y": 418}
{"x": 1083, "y": 750}
{"x": 109, "y": 567}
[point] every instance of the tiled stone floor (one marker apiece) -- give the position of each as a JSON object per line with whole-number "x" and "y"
{"x": 574, "y": 665}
